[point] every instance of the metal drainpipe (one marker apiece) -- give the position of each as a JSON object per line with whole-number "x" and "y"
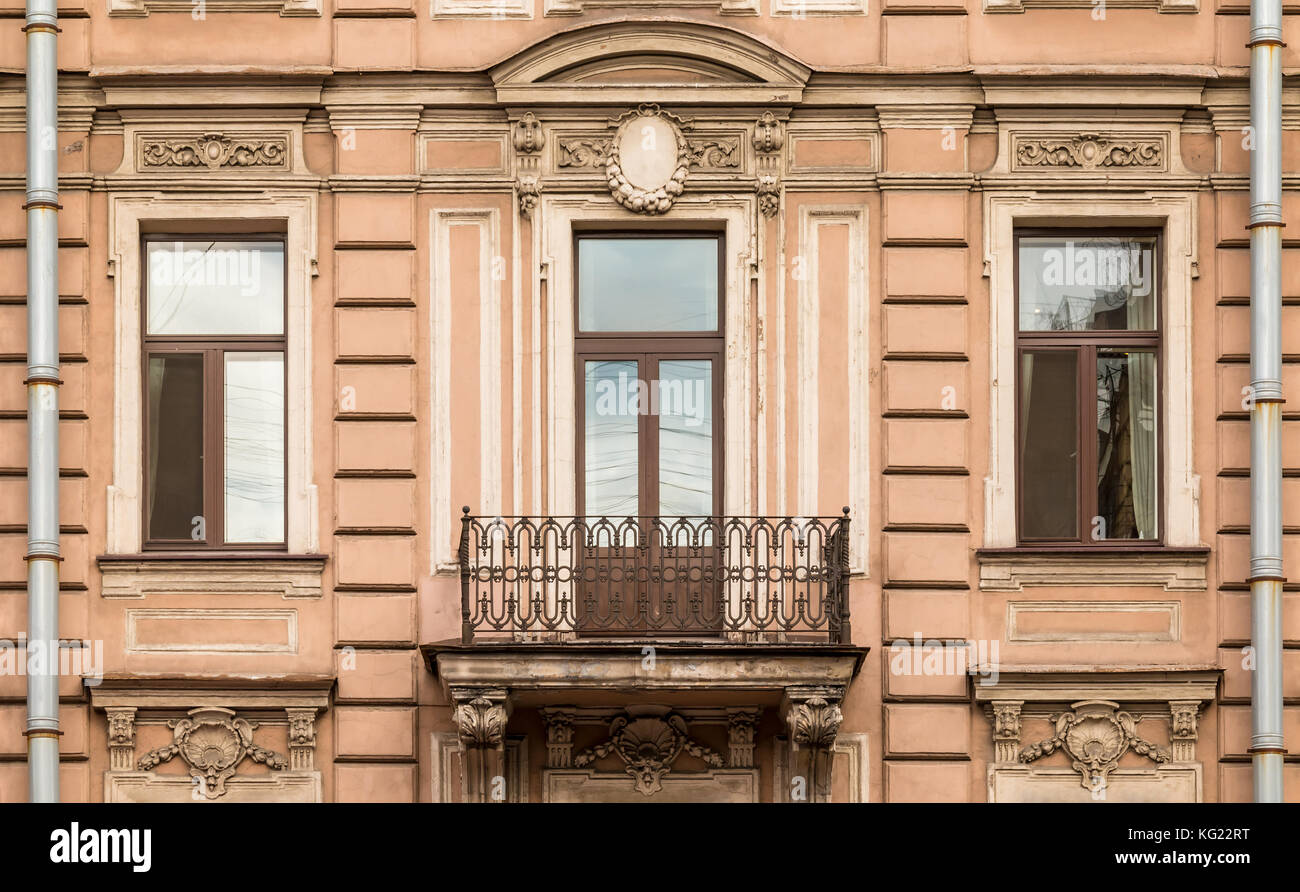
{"x": 1266, "y": 743}
{"x": 42, "y": 401}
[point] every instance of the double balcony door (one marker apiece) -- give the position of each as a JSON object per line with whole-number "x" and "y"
{"x": 649, "y": 353}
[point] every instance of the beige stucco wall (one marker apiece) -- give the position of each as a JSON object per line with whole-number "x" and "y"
{"x": 859, "y": 337}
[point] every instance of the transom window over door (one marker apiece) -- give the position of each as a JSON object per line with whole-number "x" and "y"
{"x": 649, "y": 350}
{"x": 1088, "y": 364}
{"x": 214, "y": 392}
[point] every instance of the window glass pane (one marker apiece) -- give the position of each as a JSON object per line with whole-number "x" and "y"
{"x": 1126, "y": 445}
{"x": 613, "y": 401}
{"x": 685, "y": 437}
{"x": 1087, "y": 284}
{"x": 648, "y": 284}
{"x": 254, "y": 447}
{"x": 175, "y": 471}
{"x": 1049, "y": 445}
{"x": 215, "y": 287}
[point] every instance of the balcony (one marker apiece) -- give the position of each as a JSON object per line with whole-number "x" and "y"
{"x": 738, "y": 580}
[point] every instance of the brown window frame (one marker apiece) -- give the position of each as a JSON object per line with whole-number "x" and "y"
{"x": 1085, "y": 344}
{"x": 649, "y": 347}
{"x": 213, "y": 350}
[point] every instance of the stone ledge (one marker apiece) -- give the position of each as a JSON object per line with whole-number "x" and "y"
{"x": 620, "y": 666}
{"x": 176, "y": 691}
{"x": 1011, "y": 569}
{"x": 1064, "y": 684}
{"x": 137, "y": 576}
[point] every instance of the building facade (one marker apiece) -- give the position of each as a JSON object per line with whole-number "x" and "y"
{"x": 647, "y": 400}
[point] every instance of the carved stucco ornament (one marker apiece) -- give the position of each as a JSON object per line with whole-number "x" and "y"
{"x": 212, "y": 741}
{"x": 648, "y": 160}
{"x": 214, "y": 151}
{"x": 648, "y": 739}
{"x": 1095, "y": 734}
{"x": 1088, "y": 150}
{"x": 528, "y": 140}
{"x": 767, "y": 140}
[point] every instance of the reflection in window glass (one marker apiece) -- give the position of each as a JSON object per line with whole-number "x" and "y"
{"x": 1049, "y": 445}
{"x": 215, "y": 287}
{"x": 1087, "y": 284}
{"x": 648, "y": 284}
{"x": 254, "y": 447}
{"x": 1126, "y": 445}
{"x": 685, "y": 438}
{"x": 611, "y": 485}
{"x": 175, "y": 471}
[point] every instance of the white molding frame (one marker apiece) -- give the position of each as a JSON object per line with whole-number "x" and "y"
{"x": 808, "y": 337}
{"x": 288, "y": 616}
{"x": 1019, "y": 6}
{"x": 150, "y": 786}
{"x": 1175, "y": 213}
{"x": 271, "y": 576}
{"x": 556, "y": 216}
{"x": 447, "y": 750}
{"x": 579, "y": 7}
{"x": 1011, "y": 572}
{"x": 481, "y": 9}
{"x": 142, "y": 8}
{"x": 126, "y": 213}
{"x": 443, "y": 513}
{"x": 1035, "y": 784}
{"x": 854, "y": 745}
{"x": 798, "y": 9}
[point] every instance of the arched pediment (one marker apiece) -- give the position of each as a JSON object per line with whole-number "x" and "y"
{"x": 639, "y": 54}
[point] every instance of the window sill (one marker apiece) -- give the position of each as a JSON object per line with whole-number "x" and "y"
{"x": 211, "y": 573}
{"x": 1172, "y": 568}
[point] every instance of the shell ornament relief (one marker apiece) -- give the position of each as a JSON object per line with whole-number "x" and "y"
{"x": 212, "y": 741}
{"x": 1095, "y": 734}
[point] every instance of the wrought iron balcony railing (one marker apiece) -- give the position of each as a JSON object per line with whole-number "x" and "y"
{"x": 743, "y": 579}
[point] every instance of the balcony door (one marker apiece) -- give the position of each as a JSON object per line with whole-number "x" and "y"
{"x": 649, "y": 357}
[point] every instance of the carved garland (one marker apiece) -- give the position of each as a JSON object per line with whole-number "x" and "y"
{"x": 212, "y": 742}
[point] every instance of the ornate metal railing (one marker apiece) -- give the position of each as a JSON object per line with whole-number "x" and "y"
{"x": 731, "y": 578}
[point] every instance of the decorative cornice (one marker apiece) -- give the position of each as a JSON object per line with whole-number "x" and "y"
{"x": 142, "y": 8}
{"x": 1065, "y": 684}
{"x": 1010, "y": 570}
{"x": 373, "y": 116}
{"x": 1166, "y": 6}
{"x": 925, "y": 116}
